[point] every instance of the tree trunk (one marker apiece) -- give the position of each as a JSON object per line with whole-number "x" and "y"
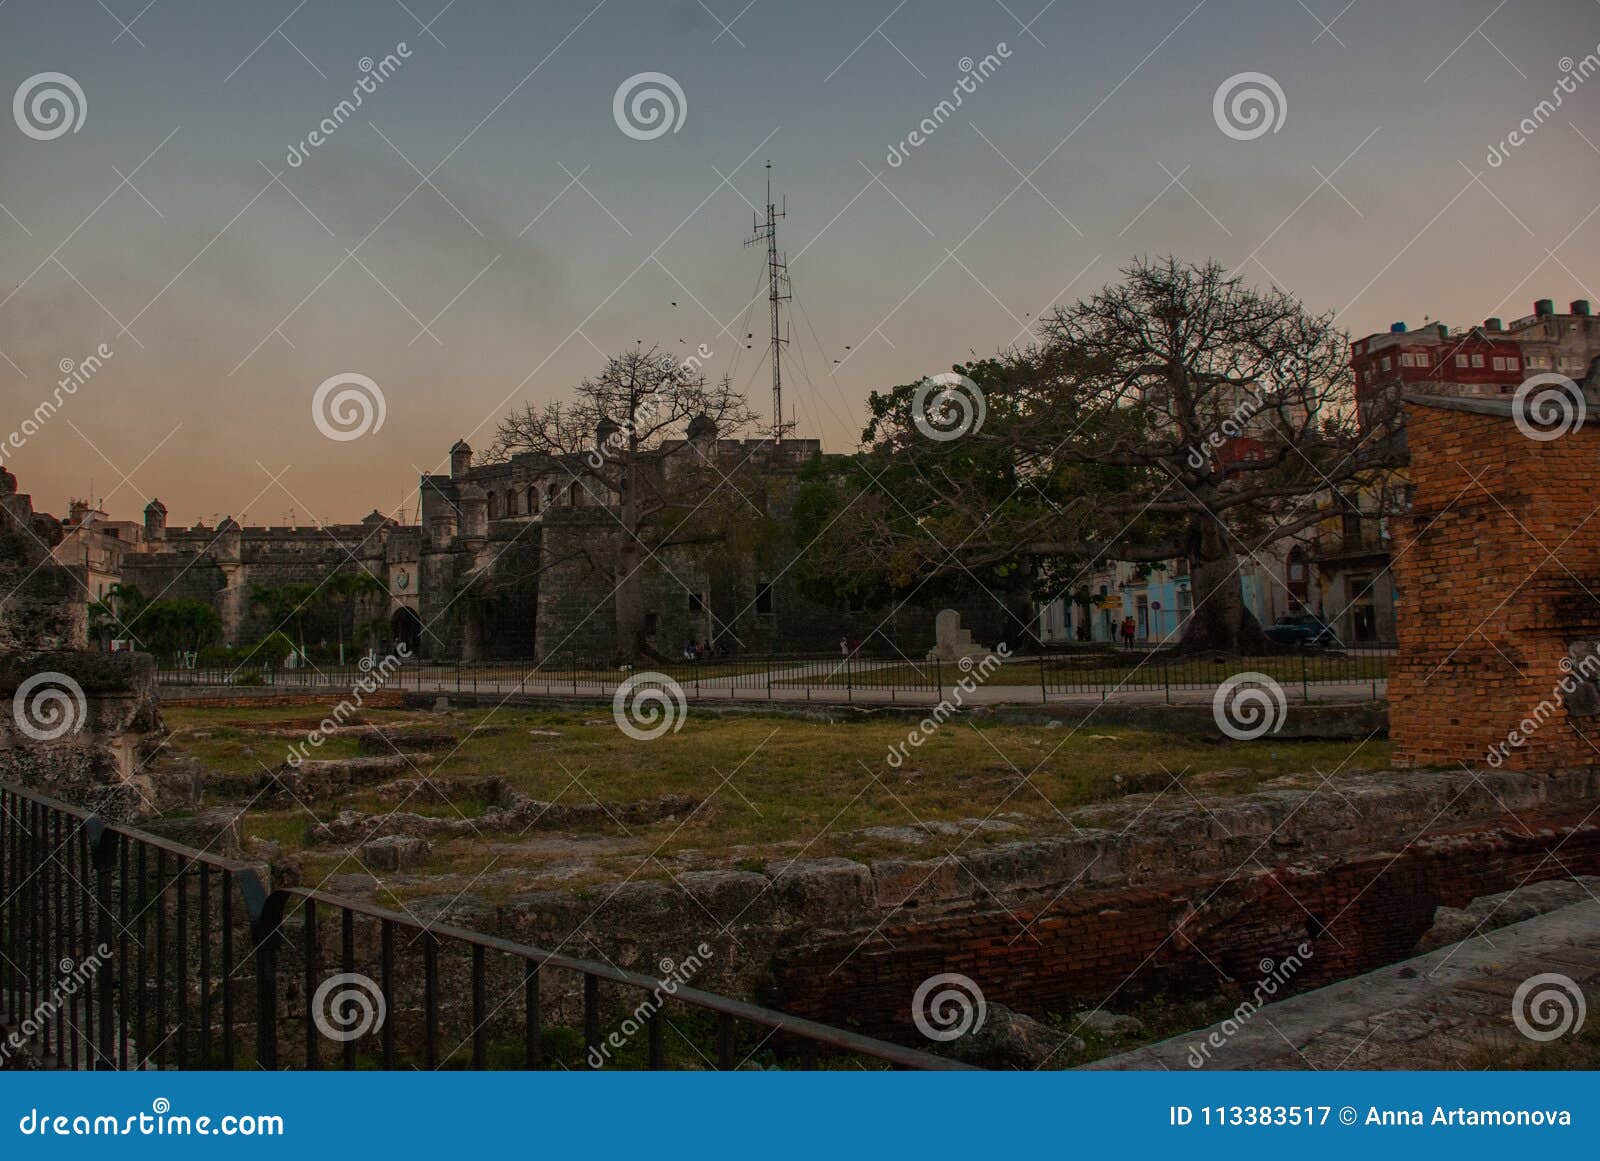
{"x": 629, "y": 605}
{"x": 1220, "y": 620}
{"x": 629, "y": 583}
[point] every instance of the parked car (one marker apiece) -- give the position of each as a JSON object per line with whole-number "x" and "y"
{"x": 1301, "y": 629}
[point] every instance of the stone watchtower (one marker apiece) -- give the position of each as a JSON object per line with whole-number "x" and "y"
{"x": 460, "y": 459}
{"x": 474, "y": 512}
{"x": 155, "y": 522}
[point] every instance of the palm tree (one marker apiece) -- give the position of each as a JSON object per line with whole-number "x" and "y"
{"x": 345, "y": 592}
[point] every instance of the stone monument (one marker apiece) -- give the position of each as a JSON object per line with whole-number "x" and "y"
{"x": 951, "y": 641}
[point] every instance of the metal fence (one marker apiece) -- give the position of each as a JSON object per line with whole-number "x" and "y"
{"x": 893, "y": 678}
{"x": 1360, "y": 669}
{"x": 123, "y": 950}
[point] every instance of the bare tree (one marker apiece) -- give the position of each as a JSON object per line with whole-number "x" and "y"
{"x": 640, "y": 437}
{"x": 1177, "y": 414}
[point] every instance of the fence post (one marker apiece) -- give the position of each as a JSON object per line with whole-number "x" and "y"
{"x": 102, "y": 853}
{"x": 264, "y": 929}
{"x": 1305, "y": 681}
{"x": 1166, "y": 679}
{"x": 849, "y": 676}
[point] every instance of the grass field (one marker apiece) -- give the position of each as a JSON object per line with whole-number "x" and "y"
{"x": 769, "y": 786}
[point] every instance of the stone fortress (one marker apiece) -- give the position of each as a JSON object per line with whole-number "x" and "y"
{"x": 508, "y": 562}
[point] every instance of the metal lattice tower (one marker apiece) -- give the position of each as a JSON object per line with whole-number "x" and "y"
{"x": 777, "y": 293}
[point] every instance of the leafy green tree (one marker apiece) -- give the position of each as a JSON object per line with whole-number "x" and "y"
{"x": 286, "y": 606}
{"x": 179, "y": 626}
{"x": 1177, "y": 414}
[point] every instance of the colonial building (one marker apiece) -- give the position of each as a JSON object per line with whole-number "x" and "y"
{"x": 516, "y": 560}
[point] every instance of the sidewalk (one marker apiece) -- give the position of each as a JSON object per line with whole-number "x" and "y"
{"x": 1425, "y": 1013}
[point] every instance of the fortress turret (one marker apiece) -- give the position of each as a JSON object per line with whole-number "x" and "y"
{"x": 460, "y": 459}
{"x": 155, "y": 522}
{"x": 474, "y": 512}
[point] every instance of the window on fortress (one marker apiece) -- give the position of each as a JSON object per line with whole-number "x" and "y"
{"x": 764, "y": 598}
{"x": 697, "y": 604}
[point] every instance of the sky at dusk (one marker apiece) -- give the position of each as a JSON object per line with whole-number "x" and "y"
{"x": 483, "y": 231}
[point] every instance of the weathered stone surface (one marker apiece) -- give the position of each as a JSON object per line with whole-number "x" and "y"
{"x": 1109, "y": 1023}
{"x": 86, "y": 729}
{"x": 317, "y": 778}
{"x": 1431, "y": 1012}
{"x": 387, "y": 742}
{"x": 1008, "y": 1039}
{"x": 1492, "y": 912}
{"x": 394, "y": 852}
{"x": 820, "y": 889}
{"x": 216, "y": 831}
{"x": 516, "y": 813}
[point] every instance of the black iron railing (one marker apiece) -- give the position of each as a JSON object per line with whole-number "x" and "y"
{"x": 1357, "y": 670}
{"x": 1102, "y": 672}
{"x": 125, "y": 950}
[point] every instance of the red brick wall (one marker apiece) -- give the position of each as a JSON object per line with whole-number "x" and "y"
{"x": 1494, "y": 569}
{"x": 1116, "y": 947}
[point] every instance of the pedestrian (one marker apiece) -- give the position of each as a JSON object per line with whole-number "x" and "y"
{"x": 1128, "y": 628}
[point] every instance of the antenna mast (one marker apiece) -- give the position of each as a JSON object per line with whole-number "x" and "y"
{"x": 777, "y": 293}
